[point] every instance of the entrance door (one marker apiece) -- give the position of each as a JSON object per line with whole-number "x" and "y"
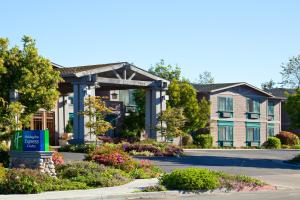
{"x": 45, "y": 120}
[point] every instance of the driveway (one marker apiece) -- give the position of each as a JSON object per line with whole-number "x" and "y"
{"x": 266, "y": 165}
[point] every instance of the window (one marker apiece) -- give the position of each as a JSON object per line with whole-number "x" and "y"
{"x": 71, "y": 118}
{"x": 253, "y": 134}
{"x": 271, "y": 130}
{"x": 271, "y": 110}
{"x": 225, "y": 104}
{"x": 253, "y": 106}
{"x": 225, "y": 133}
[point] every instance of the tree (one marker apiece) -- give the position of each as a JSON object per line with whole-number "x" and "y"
{"x": 267, "y": 86}
{"x": 206, "y": 78}
{"x": 95, "y": 109}
{"x": 166, "y": 71}
{"x": 291, "y": 72}
{"x": 292, "y": 107}
{"x": 204, "y": 113}
{"x": 172, "y": 123}
{"x": 183, "y": 95}
{"x": 32, "y": 76}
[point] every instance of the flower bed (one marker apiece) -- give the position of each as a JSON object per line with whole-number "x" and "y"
{"x": 114, "y": 156}
{"x": 157, "y": 149}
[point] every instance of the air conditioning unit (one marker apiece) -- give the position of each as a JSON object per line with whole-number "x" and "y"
{"x": 270, "y": 118}
{"x": 254, "y": 116}
{"x": 226, "y": 115}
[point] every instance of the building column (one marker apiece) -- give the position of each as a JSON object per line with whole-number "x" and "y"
{"x": 155, "y": 105}
{"x": 81, "y": 91}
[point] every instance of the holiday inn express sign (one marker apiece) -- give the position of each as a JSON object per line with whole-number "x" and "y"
{"x": 37, "y": 140}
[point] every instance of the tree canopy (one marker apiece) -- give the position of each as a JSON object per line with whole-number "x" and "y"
{"x": 206, "y": 78}
{"x": 174, "y": 121}
{"x": 267, "y": 86}
{"x": 164, "y": 71}
{"x": 292, "y": 106}
{"x": 32, "y": 76}
{"x": 291, "y": 72}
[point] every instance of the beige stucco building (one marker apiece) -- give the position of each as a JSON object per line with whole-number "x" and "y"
{"x": 241, "y": 114}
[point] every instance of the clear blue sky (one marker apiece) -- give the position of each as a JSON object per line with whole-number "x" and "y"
{"x": 235, "y": 40}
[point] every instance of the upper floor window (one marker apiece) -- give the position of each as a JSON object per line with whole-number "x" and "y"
{"x": 225, "y": 107}
{"x": 270, "y": 110}
{"x": 253, "y": 108}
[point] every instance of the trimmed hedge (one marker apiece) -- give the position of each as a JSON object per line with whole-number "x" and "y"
{"x": 190, "y": 179}
{"x": 288, "y": 138}
{"x": 204, "y": 141}
{"x": 273, "y": 143}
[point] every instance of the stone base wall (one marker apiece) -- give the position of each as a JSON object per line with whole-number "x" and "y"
{"x": 39, "y": 160}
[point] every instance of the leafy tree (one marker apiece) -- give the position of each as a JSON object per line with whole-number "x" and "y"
{"x": 204, "y": 113}
{"x": 183, "y": 95}
{"x": 293, "y": 108}
{"x": 291, "y": 72}
{"x": 172, "y": 123}
{"x": 95, "y": 109}
{"x": 206, "y": 78}
{"x": 267, "y": 86}
{"x": 32, "y": 76}
{"x": 166, "y": 71}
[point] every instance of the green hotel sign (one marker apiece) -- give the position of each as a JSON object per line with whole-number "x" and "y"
{"x": 37, "y": 140}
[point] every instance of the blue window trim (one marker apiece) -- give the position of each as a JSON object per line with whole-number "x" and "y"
{"x": 247, "y": 106}
{"x": 220, "y": 112}
{"x": 224, "y": 124}
{"x": 252, "y": 125}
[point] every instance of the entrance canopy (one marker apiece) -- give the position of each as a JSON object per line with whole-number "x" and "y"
{"x": 112, "y": 76}
{"x": 84, "y": 80}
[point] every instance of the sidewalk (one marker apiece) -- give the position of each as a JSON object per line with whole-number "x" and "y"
{"x": 100, "y": 193}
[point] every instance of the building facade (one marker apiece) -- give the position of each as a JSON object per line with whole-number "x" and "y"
{"x": 114, "y": 82}
{"x": 241, "y": 114}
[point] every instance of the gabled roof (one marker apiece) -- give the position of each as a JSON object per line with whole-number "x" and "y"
{"x": 281, "y": 92}
{"x": 208, "y": 88}
{"x": 65, "y": 71}
{"x": 80, "y": 71}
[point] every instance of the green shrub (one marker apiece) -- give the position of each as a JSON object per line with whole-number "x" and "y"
{"x": 273, "y": 143}
{"x": 190, "y": 179}
{"x": 288, "y": 138}
{"x": 78, "y": 148}
{"x": 92, "y": 174}
{"x": 296, "y": 146}
{"x": 283, "y": 146}
{"x": 187, "y": 140}
{"x": 203, "y": 140}
{"x": 69, "y": 127}
{"x": 155, "y": 188}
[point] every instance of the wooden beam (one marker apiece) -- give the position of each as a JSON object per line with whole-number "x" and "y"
{"x": 115, "y": 81}
{"x": 132, "y": 75}
{"x": 117, "y": 75}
